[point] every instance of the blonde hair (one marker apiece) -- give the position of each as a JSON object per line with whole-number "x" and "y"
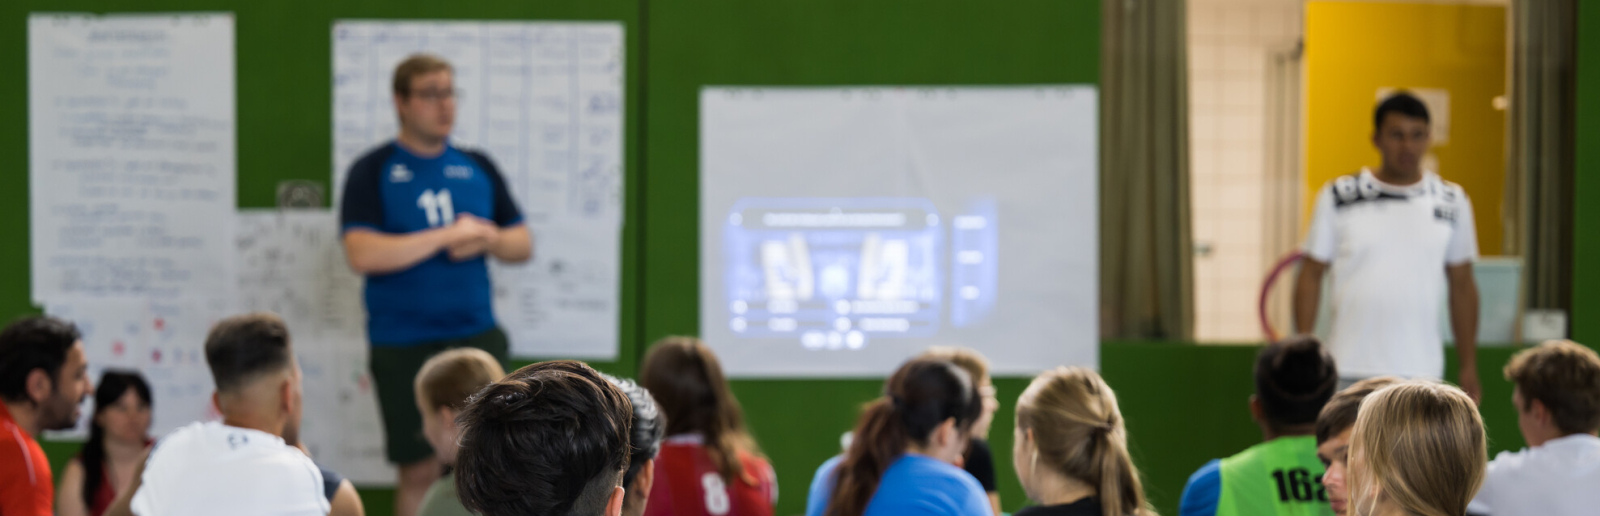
{"x": 415, "y": 66}
{"x": 1421, "y": 446}
{"x": 1078, "y": 432}
{"x": 967, "y": 359}
{"x": 452, "y": 376}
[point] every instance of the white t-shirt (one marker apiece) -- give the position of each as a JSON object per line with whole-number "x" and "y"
{"x": 1560, "y": 478}
{"x": 1389, "y": 246}
{"x": 211, "y": 468}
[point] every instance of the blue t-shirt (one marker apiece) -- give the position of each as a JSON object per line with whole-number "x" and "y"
{"x": 1204, "y": 490}
{"x": 914, "y": 484}
{"x": 394, "y": 191}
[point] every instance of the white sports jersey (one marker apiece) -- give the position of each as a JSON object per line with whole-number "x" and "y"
{"x": 1556, "y": 479}
{"x": 1389, "y": 246}
{"x": 211, "y": 468}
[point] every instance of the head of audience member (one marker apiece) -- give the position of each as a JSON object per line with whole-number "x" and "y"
{"x": 686, "y": 380}
{"x": 1418, "y": 447}
{"x": 551, "y": 438}
{"x": 648, "y": 429}
{"x": 1557, "y": 391}
{"x": 1333, "y": 436}
{"x": 443, "y": 385}
{"x": 1070, "y": 438}
{"x": 44, "y": 374}
{"x": 1294, "y": 379}
{"x": 977, "y": 367}
{"x": 1401, "y": 131}
{"x": 258, "y": 378}
{"x": 927, "y": 408}
{"x": 121, "y": 417}
{"x": 425, "y": 97}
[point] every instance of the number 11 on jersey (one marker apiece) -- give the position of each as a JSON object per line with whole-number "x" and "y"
{"x": 437, "y": 206}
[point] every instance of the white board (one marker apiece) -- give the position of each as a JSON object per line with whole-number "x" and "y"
{"x": 843, "y": 230}
{"x": 291, "y": 263}
{"x": 544, "y": 100}
{"x": 131, "y": 155}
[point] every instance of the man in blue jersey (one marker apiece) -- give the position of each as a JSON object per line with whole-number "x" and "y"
{"x": 420, "y": 217}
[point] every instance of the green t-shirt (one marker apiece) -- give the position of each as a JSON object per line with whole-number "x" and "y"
{"x": 1279, "y": 477}
{"x": 441, "y": 500}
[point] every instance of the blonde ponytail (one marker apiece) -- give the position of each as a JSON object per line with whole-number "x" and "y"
{"x": 1079, "y": 433}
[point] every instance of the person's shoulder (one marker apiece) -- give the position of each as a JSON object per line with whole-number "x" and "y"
{"x": 1210, "y": 470}
{"x": 1451, "y": 191}
{"x": 479, "y": 157}
{"x": 372, "y": 162}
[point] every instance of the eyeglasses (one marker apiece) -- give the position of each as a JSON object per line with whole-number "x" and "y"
{"x": 437, "y": 95}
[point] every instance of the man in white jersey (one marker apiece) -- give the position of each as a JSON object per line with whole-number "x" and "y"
{"x": 240, "y": 465}
{"x": 1395, "y": 238}
{"x": 1557, "y": 397}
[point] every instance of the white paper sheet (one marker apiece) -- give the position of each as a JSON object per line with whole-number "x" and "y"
{"x": 844, "y": 230}
{"x": 131, "y": 155}
{"x": 544, "y": 100}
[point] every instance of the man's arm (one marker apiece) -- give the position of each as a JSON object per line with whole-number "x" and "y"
{"x": 124, "y": 502}
{"x": 515, "y": 244}
{"x": 1308, "y": 294}
{"x": 370, "y": 251}
{"x": 346, "y": 502}
{"x": 1464, "y": 324}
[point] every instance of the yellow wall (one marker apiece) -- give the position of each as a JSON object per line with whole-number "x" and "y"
{"x": 1354, "y": 48}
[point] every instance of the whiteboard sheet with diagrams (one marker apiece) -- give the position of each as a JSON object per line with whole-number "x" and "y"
{"x": 544, "y": 101}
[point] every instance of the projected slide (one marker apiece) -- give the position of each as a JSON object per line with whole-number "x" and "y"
{"x": 844, "y": 230}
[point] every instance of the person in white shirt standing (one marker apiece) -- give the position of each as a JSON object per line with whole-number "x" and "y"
{"x": 1394, "y": 238}
{"x": 241, "y": 465}
{"x": 1557, "y": 397}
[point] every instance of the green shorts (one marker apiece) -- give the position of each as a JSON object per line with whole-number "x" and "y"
{"x": 394, "y": 373}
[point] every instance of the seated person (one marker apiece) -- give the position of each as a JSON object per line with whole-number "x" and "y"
{"x": 551, "y": 438}
{"x": 1557, "y": 397}
{"x": 119, "y": 433}
{"x": 1071, "y": 449}
{"x": 979, "y": 460}
{"x": 443, "y": 386}
{"x": 1294, "y": 379}
{"x": 1333, "y": 437}
{"x": 645, "y": 444}
{"x": 907, "y": 443}
{"x": 709, "y": 464}
{"x": 1418, "y": 448}
{"x": 44, "y": 377}
{"x": 241, "y": 465}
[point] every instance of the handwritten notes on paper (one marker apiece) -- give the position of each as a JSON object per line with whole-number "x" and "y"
{"x": 131, "y": 155}
{"x": 545, "y": 102}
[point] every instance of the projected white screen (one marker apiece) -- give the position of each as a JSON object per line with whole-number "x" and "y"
{"x": 843, "y": 230}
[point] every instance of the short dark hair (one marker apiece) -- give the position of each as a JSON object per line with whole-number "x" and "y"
{"x": 1339, "y": 414}
{"x": 243, "y": 347}
{"x": 548, "y": 439}
{"x": 649, "y": 427}
{"x": 1294, "y": 379}
{"x": 37, "y": 342}
{"x": 1565, "y": 377}
{"x": 1403, "y": 103}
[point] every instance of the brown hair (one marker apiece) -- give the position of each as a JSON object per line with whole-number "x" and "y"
{"x": 1078, "y": 431}
{"x": 967, "y": 359}
{"x": 241, "y": 348}
{"x": 415, "y": 66}
{"x": 1422, "y": 445}
{"x": 1340, "y": 412}
{"x": 919, "y": 397}
{"x": 452, "y": 376}
{"x": 1565, "y": 377}
{"x": 686, "y": 380}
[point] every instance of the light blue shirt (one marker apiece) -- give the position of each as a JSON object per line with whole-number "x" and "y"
{"x": 913, "y": 485}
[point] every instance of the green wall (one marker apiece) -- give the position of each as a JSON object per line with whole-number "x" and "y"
{"x": 1184, "y": 404}
{"x": 1585, "y": 315}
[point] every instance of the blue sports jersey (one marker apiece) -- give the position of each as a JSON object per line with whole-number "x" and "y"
{"x": 392, "y": 190}
{"x": 915, "y": 485}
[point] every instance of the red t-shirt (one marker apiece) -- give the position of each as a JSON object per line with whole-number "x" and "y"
{"x": 26, "y": 488}
{"x": 687, "y": 483}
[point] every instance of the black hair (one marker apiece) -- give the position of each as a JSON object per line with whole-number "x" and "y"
{"x": 111, "y": 387}
{"x": 1294, "y": 379}
{"x": 649, "y": 426}
{"x": 549, "y": 439}
{"x": 920, "y": 396}
{"x": 1402, "y": 103}
{"x": 243, "y": 347}
{"x": 37, "y": 342}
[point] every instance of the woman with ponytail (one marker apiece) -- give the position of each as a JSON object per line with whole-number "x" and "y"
{"x": 907, "y": 442}
{"x": 1071, "y": 449}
